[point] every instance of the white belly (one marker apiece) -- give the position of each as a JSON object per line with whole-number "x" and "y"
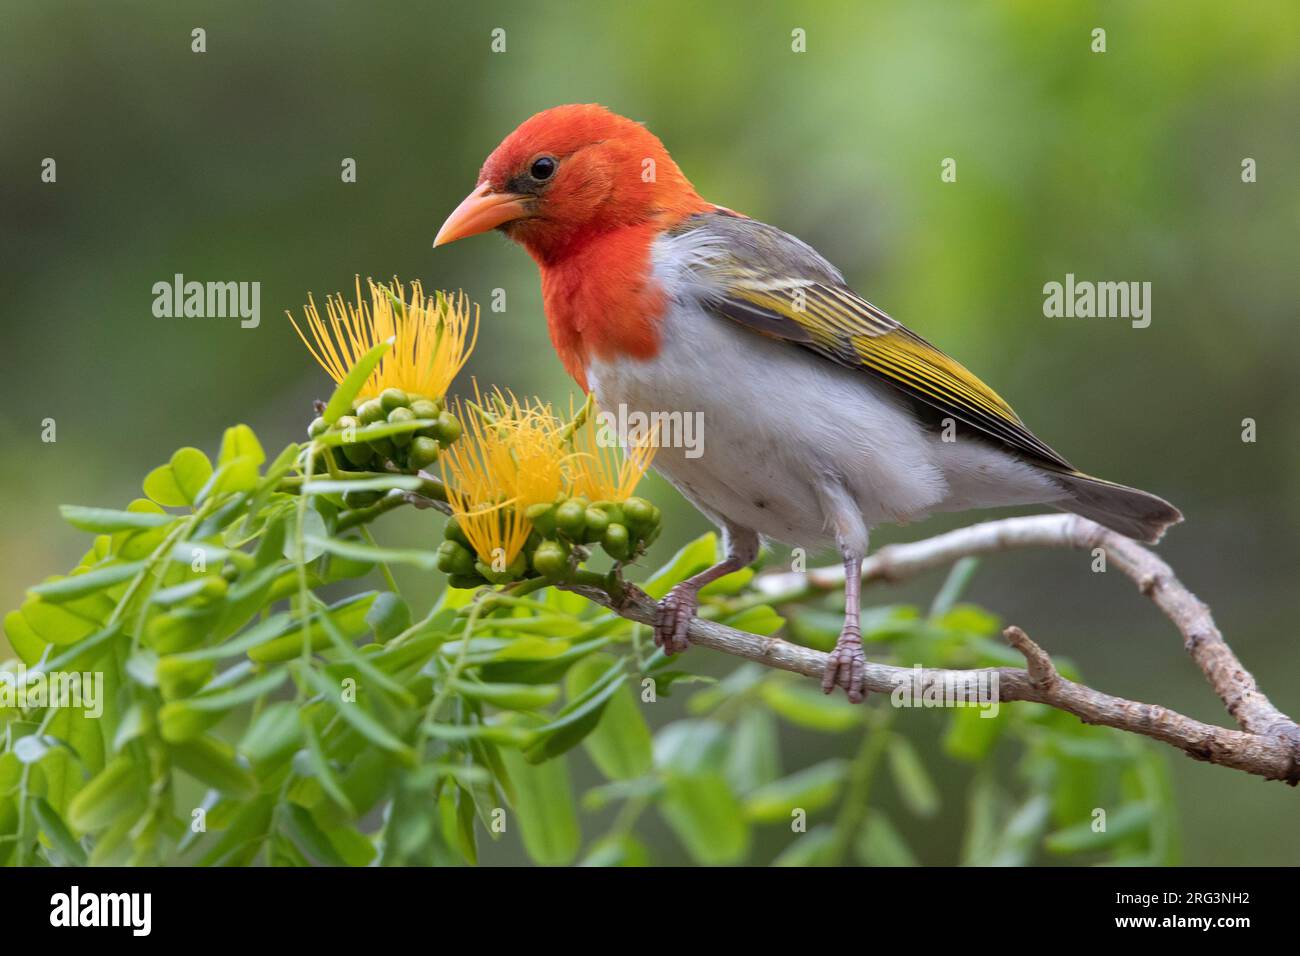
{"x": 795, "y": 447}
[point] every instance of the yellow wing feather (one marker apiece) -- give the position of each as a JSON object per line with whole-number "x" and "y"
{"x": 780, "y": 287}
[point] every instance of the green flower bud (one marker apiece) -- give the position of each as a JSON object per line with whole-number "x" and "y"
{"x": 613, "y": 510}
{"x": 466, "y": 582}
{"x": 423, "y": 452}
{"x": 384, "y": 448}
{"x": 214, "y": 589}
{"x": 542, "y": 517}
{"x": 550, "y": 560}
{"x": 451, "y": 531}
{"x": 448, "y": 428}
{"x": 317, "y": 427}
{"x": 615, "y": 542}
{"x": 519, "y": 566}
{"x": 401, "y": 439}
{"x": 393, "y": 398}
{"x": 597, "y": 522}
{"x": 361, "y": 499}
{"x": 639, "y": 513}
{"x": 455, "y": 559}
{"x": 360, "y": 455}
{"x": 424, "y": 408}
{"x": 497, "y": 577}
{"x": 571, "y": 519}
{"x": 372, "y": 411}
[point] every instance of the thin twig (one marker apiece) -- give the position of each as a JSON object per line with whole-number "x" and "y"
{"x": 1268, "y": 744}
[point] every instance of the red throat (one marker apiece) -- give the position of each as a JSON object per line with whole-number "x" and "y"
{"x": 591, "y": 228}
{"x": 602, "y": 302}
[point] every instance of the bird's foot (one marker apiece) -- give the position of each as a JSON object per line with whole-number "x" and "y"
{"x": 847, "y": 666}
{"x": 676, "y": 611}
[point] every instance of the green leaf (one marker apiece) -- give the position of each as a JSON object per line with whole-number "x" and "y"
{"x": 915, "y": 787}
{"x": 756, "y": 620}
{"x": 273, "y": 736}
{"x": 57, "y": 832}
{"x": 108, "y": 521}
{"x": 578, "y": 718}
{"x": 340, "y": 402}
{"x": 1016, "y": 843}
{"x": 1127, "y": 821}
{"x": 313, "y": 526}
{"x": 212, "y": 762}
{"x": 178, "y": 483}
{"x": 706, "y": 817}
{"x": 33, "y": 748}
{"x": 696, "y": 556}
{"x": 388, "y": 616}
{"x": 982, "y": 804}
{"x": 327, "y": 486}
{"x": 810, "y": 790}
{"x": 309, "y": 837}
{"x": 333, "y": 439}
{"x": 813, "y": 848}
{"x": 509, "y": 735}
{"x": 260, "y": 633}
{"x": 617, "y": 851}
{"x": 880, "y": 844}
{"x": 356, "y": 551}
{"x": 241, "y": 840}
{"x": 320, "y": 766}
{"x": 169, "y": 597}
{"x": 953, "y": 586}
{"x": 79, "y": 585}
{"x": 548, "y": 819}
{"x": 181, "y": 720}
{"x": 754, "y": 758}
{"x": 161, "y": 486}
{"x": 348, "y": 615}
{"x": 354, "y": 847}
{"x": 136, "y": 722}
{"x": 531, "y": 660}
{"x": 690, "y": 746}
{"x": 802, "y": 703}
{"x": 191, "y": 469}
{"x": 239, "y": 442}
{"x": 972, "y": 733}
{"x": 358, "y": 717}
{"x": 111, "y": 793}
{"x": 620, "y": 744}
{"x": 29, "y": 647}
{"x": 509, "y": 696}
{"x": 55, "y": 623}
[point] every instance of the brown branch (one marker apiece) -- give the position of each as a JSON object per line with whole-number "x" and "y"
{"x": 1268, "y": 743}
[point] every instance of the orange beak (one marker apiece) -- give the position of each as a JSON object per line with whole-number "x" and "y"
{"x": 480, "y": 211}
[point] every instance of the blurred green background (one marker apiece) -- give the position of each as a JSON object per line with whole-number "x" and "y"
{"x": 1117, "y": 166}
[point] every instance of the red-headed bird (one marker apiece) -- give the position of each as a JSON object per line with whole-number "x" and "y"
{"x": 822, "y": 417}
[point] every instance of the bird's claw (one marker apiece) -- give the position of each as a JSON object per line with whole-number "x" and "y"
{"x": 846, "y": 667}
{"x": 676, "y": 611}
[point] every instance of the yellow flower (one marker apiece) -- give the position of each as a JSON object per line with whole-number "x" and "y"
{"x": 602, "y": 470}
{"x": 434, "y": 337}
{"x": 509, "y": 457}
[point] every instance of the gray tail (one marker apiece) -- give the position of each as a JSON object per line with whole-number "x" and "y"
{"x": 1129, "y": 511}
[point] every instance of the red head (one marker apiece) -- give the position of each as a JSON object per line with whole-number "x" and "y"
{"x": 568, "y": 175}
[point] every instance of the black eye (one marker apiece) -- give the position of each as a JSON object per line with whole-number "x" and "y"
{"x": 543, "y": 168}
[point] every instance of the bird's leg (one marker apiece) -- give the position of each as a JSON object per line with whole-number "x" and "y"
{"x": 679, "y": 605}
{"x": 847, "y": 664}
